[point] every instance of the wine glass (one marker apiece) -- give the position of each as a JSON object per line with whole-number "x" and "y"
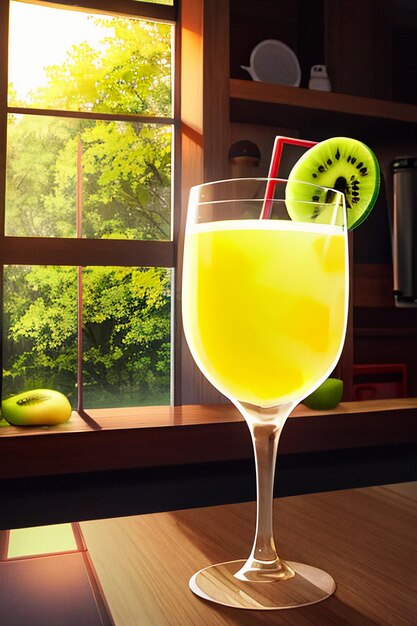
{"x": 264, "y": 312}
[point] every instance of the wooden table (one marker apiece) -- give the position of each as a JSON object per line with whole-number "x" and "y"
{"x": 365, "y": 538}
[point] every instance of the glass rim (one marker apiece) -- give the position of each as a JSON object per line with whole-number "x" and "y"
{"x": 263, "y": 179}
{"x": 269, "y": 194}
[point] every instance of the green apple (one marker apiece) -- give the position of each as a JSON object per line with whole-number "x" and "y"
{"x": 39, "y": 407}
{"x": 327, "y": 396}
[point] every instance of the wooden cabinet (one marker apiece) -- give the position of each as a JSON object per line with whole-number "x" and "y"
{"x": 368, "y": 47}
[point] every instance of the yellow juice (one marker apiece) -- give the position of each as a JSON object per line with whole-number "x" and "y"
{"x": 264, "y": 306}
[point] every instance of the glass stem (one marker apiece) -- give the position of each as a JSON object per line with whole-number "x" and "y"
{"x": 264, "y": 563}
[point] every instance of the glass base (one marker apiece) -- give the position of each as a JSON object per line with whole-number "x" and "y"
{"x": 219, "y": 584}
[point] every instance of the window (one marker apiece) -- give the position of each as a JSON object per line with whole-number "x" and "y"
{"x": 88, "y": 139}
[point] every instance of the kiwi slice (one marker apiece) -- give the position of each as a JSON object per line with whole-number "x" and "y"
{"x": 341, "y": 163}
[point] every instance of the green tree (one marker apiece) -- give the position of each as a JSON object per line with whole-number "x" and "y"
{"x": 126, "y": 332}
{"x": 126, "y": 179}
{"x": 40, "y": 311}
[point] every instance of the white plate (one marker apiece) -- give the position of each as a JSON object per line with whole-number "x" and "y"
{"x": 272, "y": 61}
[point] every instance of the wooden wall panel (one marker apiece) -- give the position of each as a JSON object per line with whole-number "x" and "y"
{"x": 204, "y": 143}
{"x": 358, "y": 47}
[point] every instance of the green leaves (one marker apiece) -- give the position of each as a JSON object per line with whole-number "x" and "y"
{"x": 126, "y": 330}
{"x": 123, "y": 172}
{"x": 40, "y": 307}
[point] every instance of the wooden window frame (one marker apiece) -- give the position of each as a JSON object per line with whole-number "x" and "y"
{"x": 77, "y": 251}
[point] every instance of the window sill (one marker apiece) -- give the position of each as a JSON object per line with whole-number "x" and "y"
{"x": 110, "y": 439}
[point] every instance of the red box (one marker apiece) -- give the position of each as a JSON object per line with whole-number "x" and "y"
{"x": 382, "y": 380}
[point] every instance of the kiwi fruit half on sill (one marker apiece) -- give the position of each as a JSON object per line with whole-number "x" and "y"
{"x": 341, "y": 163}
{"x": 38, "y": 407}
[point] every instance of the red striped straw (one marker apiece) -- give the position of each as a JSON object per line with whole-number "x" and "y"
{"x": 274, "y": 169}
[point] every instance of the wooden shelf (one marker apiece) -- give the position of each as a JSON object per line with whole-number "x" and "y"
{"x": 116, "y": 439}
{"x": 293, "y": 107}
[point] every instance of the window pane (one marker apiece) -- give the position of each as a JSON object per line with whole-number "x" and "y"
{"x": 115, "y": 176}
{"x": 25, "y": 542}
{"x": 75, "y": 61}
{"x": 40, "y": 329}
{"x": 126, "y": 333}
{"x": 126, "y": 336}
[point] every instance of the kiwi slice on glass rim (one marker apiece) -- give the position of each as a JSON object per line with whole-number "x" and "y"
{"x": 341, "y": 163}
